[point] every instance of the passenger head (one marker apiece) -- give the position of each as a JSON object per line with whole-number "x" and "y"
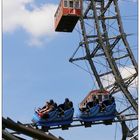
{"x": 66, "y": 100}
{"x": 47, "y": 102}
{"x": 51, "y": 101}
{"x": 112, "y": 99}
{"x": 110, "y": 96}
{"x": 93, "y": 97}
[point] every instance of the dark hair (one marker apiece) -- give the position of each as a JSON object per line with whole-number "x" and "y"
{"x": 93, "y": 97}
{"x": 51, "y": 101}
{"x": 66, "y": 100}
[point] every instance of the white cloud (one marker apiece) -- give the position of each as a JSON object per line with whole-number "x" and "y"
{"x": 125, "y": 73}
{"x": 35, "y": 42}
{"x": 37, "y": 22}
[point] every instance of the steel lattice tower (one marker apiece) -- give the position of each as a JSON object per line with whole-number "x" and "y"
{"x": 109, "y": 55}
{"x": 104, "y": 47}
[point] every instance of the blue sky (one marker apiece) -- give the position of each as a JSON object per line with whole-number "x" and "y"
{"x": 36, "y": 66}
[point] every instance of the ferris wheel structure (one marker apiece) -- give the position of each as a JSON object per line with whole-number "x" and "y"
{"x": 110, "y": 58}
{"x": 105, "y": 53}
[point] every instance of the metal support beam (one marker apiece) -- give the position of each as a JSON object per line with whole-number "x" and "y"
{"x": 26, "y": 130}
{"x": 120, "y": 25}
{"x": 7, "y": 136}
{"x": 106, "y": 8}
{"x": 103, "y": 39}
{"x": 132, "y": 131}
{"x": 105, "y": 18}
{"x": 87, "y": 10}
{"x": 115, "y": 42}
{"x": 103, "y": 74}
{"x": 111, "y": 60}
{"x": 121, "y": 57}
{"x": 93, "y": 68}
{"x": 103, "y": 44}
{"x": 124, "y": 130}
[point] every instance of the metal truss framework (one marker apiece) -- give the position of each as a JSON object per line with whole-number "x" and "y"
{"x": 100, "y": 44}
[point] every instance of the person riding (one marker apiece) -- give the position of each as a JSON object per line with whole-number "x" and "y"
{"x": 112, "y": 99}
{"x": 102, "y": 107}
{"x": 92, "y": 103}
{"x": 83, "y": 108}
{"x": 109, "y": 101}
{"x": 50, "y": 106}
{"x": 65, "y": 106}
{"x": 89, "y": 105}
{"x": 43, "y": 108}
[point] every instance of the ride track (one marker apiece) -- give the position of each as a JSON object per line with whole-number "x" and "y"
{"x": 107, "y": 53}
{"x": 10, "y": 124}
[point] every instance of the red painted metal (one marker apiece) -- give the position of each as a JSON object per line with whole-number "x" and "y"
{"x": 93, "y": 92}
{"x": 66, "y": 17}
{"x": 96, "y": 92}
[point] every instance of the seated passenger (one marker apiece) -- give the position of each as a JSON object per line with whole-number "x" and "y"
{"x": 50, "y": 106}
{"x": 107, "y": 102}
{"x": 112, "y": 99}
{"x": 89, "y": 104}
{"x": 102, "y": 106}
{"x": 61, "y": 107}
{"x": 95, "y": 100}
{"x": 43, "y": 108}
{"x": 92, "y": 103}
{"x": 53, "y": 103}
{"x": 82, "y": 108}
{"x": 65, "y": 106}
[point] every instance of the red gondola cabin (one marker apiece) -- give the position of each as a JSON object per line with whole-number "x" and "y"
{"x": 67, "y": 15}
